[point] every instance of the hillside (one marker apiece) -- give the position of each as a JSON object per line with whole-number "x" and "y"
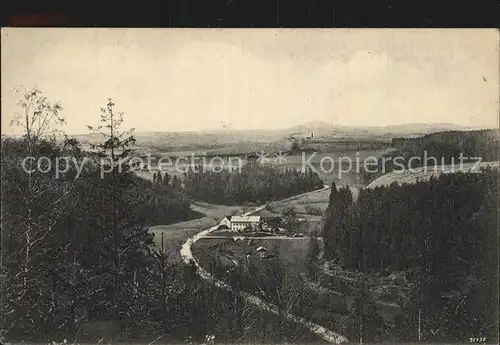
{"x": 325, "y": 128}
{"x": 425, "y": 173}
{"x": 476, "y": 143}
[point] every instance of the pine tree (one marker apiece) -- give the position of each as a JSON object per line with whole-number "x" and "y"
{"x": 166, "y": 180}
{"x": 328, "y": 225}
{"x": 116, "y": 149}
{"x": 337, "y": 222}
{"x": 312, "y": 259}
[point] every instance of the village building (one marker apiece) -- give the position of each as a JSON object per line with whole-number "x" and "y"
{"x": 241, "y": 223}
{"x": 225, "y": 223}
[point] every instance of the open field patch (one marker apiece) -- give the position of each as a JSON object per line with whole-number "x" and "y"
{"x": 174, "y": 235}
{"x": 425, "y": 173}
{"x": 172, "y": 238}
{"x": 308, "y": 204}
{"x": 292, "y": 251}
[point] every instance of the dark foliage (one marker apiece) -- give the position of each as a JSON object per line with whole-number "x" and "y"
{"x": 443, "y": 234}
{"x": 254, "y": 183}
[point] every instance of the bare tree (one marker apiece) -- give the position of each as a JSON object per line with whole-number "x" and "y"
{"x": 35, "y": 204}
{"x": 39, "y": 119}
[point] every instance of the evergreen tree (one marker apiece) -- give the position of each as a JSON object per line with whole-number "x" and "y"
{"x": 337, "y": 222}
{"x": 166, "y": 180}
{"x": 312, "y": 259}
{"x": 116, "y": 149}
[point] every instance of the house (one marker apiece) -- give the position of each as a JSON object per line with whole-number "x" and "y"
{"x": 262, "y": 252}
{"x": 240, "y": 223}
{"x": 225, "y": 223}
{"x": 273, "y": 221}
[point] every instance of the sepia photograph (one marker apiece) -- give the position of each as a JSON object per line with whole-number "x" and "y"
{"x": 249, "y": 186}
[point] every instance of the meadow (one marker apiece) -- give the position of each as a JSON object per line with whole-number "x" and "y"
{"x": 292, "y": 250}
{"x": 311, "y": 207}
{"x": 174, "y": 235}
{"x": 426, "y": 173}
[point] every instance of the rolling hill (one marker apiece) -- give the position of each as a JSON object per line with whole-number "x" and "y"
{"x": 423, "y": 174}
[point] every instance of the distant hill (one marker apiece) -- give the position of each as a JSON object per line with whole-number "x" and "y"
{"x": 319, "y": 128}
{"x": 438, "y": 148}
{"x": 328, "y": 130}
{"x": 316, "y": 127}
{"x": 477, "y": 143}
{"x": 228, "y": 141}
{"x": 422, "y": 128}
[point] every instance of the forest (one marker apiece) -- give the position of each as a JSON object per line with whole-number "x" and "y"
{"x": 443, "y": 234}
{"x": 254, "y": 183}
{"x": 78, "y": 263}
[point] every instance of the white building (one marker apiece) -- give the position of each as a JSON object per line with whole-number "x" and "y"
{"x": 226, "y": 221}
{"x": 240, "y": 223}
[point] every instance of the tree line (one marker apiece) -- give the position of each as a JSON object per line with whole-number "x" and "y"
{"x": 449, "y": 144}
{"x": 254, "y": 183}
{"x": 443, "y": 234}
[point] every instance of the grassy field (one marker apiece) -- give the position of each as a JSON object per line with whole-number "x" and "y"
{"x": 174, "y": 235}
{"x": 311, "y": 207}
{"x": 292, "y": 251}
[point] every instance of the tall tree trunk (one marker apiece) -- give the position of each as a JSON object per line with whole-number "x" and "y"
{"x": 361, "y": 329}
{"x": 28, "y": 204}
{"x": 113, "y": 215}
{"x": 419, "y": 324}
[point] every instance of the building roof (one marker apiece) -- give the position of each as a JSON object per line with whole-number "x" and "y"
{"x": 245, "y": 219}
{"x": 271, "y": 218}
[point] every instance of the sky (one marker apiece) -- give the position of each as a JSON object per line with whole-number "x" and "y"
{"x": 204, "y": 79}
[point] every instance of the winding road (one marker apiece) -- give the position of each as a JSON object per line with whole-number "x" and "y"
{"x": 187, "y": 256}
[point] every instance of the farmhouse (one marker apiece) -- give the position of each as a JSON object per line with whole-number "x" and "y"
{"x": 239, "y": 223}
{"x": 225, "y": 223}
